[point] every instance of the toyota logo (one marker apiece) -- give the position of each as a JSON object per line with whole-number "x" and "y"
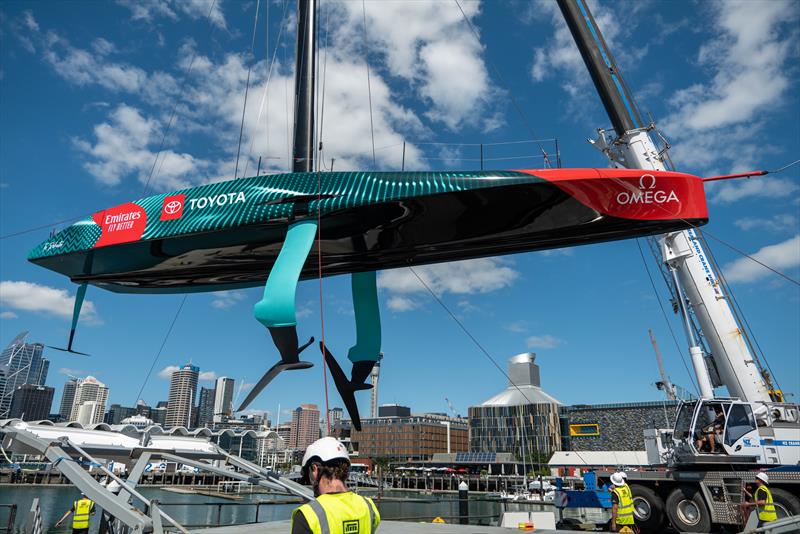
{"x": 647, "y": 181}
{"x": 172, "y": 207}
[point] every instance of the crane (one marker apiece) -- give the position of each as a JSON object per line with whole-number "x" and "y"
{"x": 665, "y": 383}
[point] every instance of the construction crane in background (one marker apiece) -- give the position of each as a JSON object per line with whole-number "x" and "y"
{"x": 452, "y": 409}
{"x": 665, "y": 384}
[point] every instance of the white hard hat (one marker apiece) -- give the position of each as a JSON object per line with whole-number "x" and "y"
{"x": 326, "y": 449}
{"x": 624, "y": 475}
{"x": 618, "y": 479}
{"x": 763, "y": 478}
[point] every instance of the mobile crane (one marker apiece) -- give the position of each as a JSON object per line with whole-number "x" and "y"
{"x": 694, "y": 489}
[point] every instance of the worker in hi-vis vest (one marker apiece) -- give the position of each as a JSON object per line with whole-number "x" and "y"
{"x": 336, "y": 510}
{"x": 622, "y": 519}
{"x": 81, "y": 510}
{"x": 762, "y": 500}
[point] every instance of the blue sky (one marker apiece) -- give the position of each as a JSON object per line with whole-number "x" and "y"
{"x": 87, "y": 90}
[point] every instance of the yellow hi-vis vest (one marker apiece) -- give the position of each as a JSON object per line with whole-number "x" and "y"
{"x": 625, "y": 505}
{"x": 80, "y": 518}
{"x": 766, "y": 512}
{"x": 340, "y": 513}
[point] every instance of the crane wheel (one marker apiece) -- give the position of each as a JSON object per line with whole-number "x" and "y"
{"x": 648, "y": 509}
{"x": 687, "y": 511}
{"x": 786, "y": 504}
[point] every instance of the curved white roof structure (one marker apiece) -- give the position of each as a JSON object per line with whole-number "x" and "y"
{"x": 524, "y": 386}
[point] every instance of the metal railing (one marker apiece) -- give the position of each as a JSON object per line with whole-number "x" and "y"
{"x": 11, "y": 515}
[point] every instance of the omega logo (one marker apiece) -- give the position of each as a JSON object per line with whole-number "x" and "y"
{"x": 647, "y": 193}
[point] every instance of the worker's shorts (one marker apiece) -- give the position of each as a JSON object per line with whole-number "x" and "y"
{"x": 80, "y": 530}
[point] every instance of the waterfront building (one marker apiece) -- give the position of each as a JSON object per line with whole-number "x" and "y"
{"x": 614, "y": 427}
{"x": 93, "y": 394}
{"x": 223, "y": 398}
{"x": 415, "y": 437}
{"x": 67, "y": 399}
{"x": 31, "y": 402}
{"x": 305, "y": 426}
{"x": 20, "y": 363}
{"x": 142, "y": 408}
{"x": 205, "y": 407}
{"x": 393, "y": 410}
{"x": 182, "y": 396}
{"x": 116, "y": 413}
{"x": 522, "y": 419}
{"x": 284, "y": 431}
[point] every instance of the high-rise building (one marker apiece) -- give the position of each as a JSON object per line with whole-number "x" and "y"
{"x": 67, "y": 399}
{"x": 21, "y": 363}
{"x": 159, "y": 415}
{"x": 31, "y": 402}
{"x": 205, "y": 407}
{"x": 335, "y": 415}
{"x": 182, "y": 396}
{"x": 223, "y": 400}
{"x": 305, "y": 426}
{"x": 116, "y": 413}
{"x": 91, "y": 392}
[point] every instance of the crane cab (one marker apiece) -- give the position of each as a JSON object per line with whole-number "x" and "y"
{"x": 727, "y": 430}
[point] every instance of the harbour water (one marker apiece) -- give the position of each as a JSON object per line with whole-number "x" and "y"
{"x": 197, "y": 511}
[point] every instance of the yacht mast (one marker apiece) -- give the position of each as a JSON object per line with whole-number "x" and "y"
{"x": 304, "y": 78}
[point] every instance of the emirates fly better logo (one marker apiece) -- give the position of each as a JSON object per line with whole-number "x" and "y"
{"x": 173, "y": 207}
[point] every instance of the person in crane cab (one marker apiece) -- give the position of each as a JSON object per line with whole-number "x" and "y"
{"x": 622, "y": 518}
{"x": 712, "y": 433}
{"x": 762, "y": 500}
{"x": 81, "y": 510}
{"x": 336, "y": 509}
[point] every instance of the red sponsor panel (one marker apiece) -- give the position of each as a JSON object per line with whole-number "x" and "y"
{"x": 632, "y": 193}
{"x": 172, "y": 208}
{"x": 120, "y": 224}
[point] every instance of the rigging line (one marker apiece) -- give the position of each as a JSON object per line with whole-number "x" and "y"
{"x": 464, "y": 329}
{"x": 265, "y": 94}
{"x": 795, "y": 162}
{"x": 161, "y": 348}
{"x": 666, "y": 318}
{"x": 534, "y": 156}
{"x": 247, "y": 89}
{"x": 42, "y": 227}
{"x": 498, "y": 143}
{"x": 175, "y": 108}
{"x": 321, "y": 301}
{"x": 503, "y": 82}
{"x": 369, "y": 85}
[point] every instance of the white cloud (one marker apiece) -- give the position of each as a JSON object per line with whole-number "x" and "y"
{"x": 543, "y": 342}
{"x": 517, "y": 326}
{"x": 121, "y": 149}
{"x": 459, "y": 277}
{"x": 148, "y": 10}
{"x": 401, "y": 304}
{"x": 781, "y": 256}
{"x": 766, "y": 187}
{"x": 776, "y": 223}
{"x": 8, "y": 315}
{"x": 31, "y": 297}
{"x": 207, "y": 375}
{"x": 227, "y": 299}
{"x": 72, "y": 372}
{"x": 749, "y": 78}
{"x": 166, "y": 372}
{"x": 556, "y": 252}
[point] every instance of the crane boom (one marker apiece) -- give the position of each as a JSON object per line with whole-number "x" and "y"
{"x": 696, "y": 285}
{"x": 669, "y": 389}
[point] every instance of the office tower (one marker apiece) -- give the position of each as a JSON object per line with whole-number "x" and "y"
{"x": 182, "y": 396}
{"x": 67, "y": 399}
{"x": 90, "y": 401}
{"x": 21, "y": 363}
{"x": 305, "y": 426}
{"x": 205, "y": 407}
{"x": 32, "y": 402}
{"x": 223, "y": 400}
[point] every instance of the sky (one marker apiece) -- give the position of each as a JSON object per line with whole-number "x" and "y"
{"x": 91, "y": 93}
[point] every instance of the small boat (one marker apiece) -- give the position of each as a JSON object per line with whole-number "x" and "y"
{"x": 228, "y": 234}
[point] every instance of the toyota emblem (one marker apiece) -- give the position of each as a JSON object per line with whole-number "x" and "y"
{"x": 172, "y": 207}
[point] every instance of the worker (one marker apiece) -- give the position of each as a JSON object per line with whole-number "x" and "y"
{"x": 336, "y": 509}
{"x": 81, "y": 510}
{"x": 622, "y": 519}
{"x": 712, "y": 433}
{"x": 762, "y": 500}
{"x": 106, "y": 519}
